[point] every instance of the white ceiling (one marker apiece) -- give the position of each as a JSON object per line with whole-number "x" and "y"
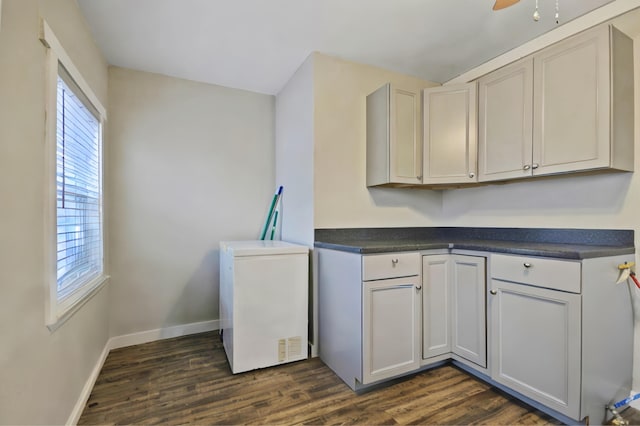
{"x": 258, "y": 44}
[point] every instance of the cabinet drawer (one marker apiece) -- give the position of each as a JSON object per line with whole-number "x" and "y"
{"x": 381, "y": 266}
{"x": 548, "y": 273}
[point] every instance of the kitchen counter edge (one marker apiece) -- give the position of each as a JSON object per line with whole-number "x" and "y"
{"x": 580, "y": 244}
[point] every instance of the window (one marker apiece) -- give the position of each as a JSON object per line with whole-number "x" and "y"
{"x": 75, "y": 246}
{"x": 78, "y": 189}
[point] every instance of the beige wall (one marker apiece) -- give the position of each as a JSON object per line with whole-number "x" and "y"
{"x": 42, "y": 373}
{"x": 341, "y": 198}
{"x": 191, "y": 164}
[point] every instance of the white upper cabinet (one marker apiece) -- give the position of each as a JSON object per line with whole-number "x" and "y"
{"x": 450, "y": 148}
{"x": 394, "y": 142}
{"x": 505, "y": 122}
{"x": 573, "y": 103}
{"x": 567, "y": 108}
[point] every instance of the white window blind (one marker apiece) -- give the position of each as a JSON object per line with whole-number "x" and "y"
{"x": 78, "y": 189}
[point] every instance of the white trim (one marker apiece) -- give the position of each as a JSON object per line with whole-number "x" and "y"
{"x": 49, "y": 39}
{"x": 50, "y": 237}
{"x": 163, "y": 333}
{"x": 88, "y": 387}
{"x": 67, "y": 312}
{"x": 58, "y": 312}
{"x": 595, "y": 17}
{"x": 130, "y": 340}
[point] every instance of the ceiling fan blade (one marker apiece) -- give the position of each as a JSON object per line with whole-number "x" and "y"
{"x": 501, "y": 4}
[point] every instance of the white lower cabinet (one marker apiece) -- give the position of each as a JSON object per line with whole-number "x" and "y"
{"x": 561, "y": 332}
{"x": 369, "y": 310}
{"x": 453, "y": 303}
{"x": 436, "y": 305}
{"x": 390, "y": 328}
{"x": 468, "y": 309}
{"x": 536, "y": 344}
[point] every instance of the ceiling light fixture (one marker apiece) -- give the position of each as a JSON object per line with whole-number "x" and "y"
{"x": 501, "y": 4}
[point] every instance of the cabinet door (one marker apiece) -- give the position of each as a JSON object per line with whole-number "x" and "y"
{"x": 390, "y": 328}
{"x": 394, "y": 142}
{"x": 436, "y": 305}
{"x": 535, "y": 346}
{"x": 450, "y": 143}
{"x": 571, "y": 105}
{"x": 469, "y": 336}
{"x": 405, "y": 148}
{"x": 505, "y": 122}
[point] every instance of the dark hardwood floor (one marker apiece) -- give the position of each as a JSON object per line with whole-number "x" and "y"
{"x": 187, "y": 380}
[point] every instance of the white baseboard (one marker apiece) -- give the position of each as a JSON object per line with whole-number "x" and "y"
{"x": 130, "y": 340}
{"x": 88, "y": 386}
{"x": 162, "y": 333}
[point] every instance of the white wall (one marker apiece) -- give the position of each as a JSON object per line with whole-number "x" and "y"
{"x": 42, "y": 373}
{"x": 341, "y": 198}
{"x": 294, "y": 154}
{"x": 191, "y": 164}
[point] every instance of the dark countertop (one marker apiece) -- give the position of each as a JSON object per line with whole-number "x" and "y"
{"x": 559, "y": 243}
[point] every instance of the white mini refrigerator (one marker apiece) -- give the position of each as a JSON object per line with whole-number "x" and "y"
{"x": 264, "y": 294}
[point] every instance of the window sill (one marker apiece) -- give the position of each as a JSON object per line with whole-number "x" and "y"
{"x": 68, "y": 311}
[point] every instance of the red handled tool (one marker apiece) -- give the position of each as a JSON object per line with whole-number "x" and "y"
{"x": 635, "y": 280}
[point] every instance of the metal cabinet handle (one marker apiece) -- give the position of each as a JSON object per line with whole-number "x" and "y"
{"x": 493, "y": 292}
{"x": 472, "y": 175}
{"x": 526, "y": 167}
{"x": 527, "y": 265}
{"x": 394, "y": 261}
{"x": 535, "y": 165}
{"x": 418, "y": 287}
{"x": 419, "y": 177}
